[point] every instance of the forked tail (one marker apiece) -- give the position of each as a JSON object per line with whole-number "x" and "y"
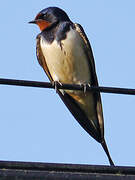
{"x": 103, "y": 143}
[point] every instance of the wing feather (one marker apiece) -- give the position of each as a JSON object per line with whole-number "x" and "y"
{"x": 41, "y": 58}
{"x": 97, "y": 97}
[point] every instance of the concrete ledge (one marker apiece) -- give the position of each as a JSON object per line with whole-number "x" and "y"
{"x": 11, "y": 170}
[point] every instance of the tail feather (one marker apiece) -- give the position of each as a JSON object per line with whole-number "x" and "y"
{"x": 104, "y": 145}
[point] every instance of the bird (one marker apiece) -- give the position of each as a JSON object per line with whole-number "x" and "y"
{"x": 65, "y": 54}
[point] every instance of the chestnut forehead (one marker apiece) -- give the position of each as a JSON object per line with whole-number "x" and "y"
{"x": 38, "y": 15}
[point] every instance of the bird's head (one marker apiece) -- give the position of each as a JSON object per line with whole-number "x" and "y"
{"x": 50, "y": 16}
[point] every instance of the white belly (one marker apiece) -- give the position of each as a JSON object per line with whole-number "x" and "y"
{"x": 69, "y": 64}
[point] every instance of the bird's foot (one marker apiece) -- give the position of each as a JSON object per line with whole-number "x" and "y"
{"x": 85, "y": 85}
{"x": 55, "y": 84}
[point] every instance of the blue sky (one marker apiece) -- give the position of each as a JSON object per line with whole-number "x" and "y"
{"x": 35, "y": 124}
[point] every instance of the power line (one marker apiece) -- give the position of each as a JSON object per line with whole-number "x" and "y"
{"x": 40, "y": 84}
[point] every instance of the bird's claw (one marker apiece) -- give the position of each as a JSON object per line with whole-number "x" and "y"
{"x": 55, "y": 84}
{"x": 85, "y": 85}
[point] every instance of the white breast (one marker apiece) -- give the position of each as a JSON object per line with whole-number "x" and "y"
{"x": 68, "y": 64}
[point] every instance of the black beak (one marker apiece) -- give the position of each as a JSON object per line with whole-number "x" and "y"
{"x": 32, "y": 22}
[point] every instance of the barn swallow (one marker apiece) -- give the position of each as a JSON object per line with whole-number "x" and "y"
{"x": 64, "y": 52}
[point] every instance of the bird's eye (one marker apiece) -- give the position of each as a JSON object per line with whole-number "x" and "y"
{"x": 41, "y": 16}
{"x": 45, "y": 15}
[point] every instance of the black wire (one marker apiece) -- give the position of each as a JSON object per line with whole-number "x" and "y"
{"x": 39, "y": 84}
